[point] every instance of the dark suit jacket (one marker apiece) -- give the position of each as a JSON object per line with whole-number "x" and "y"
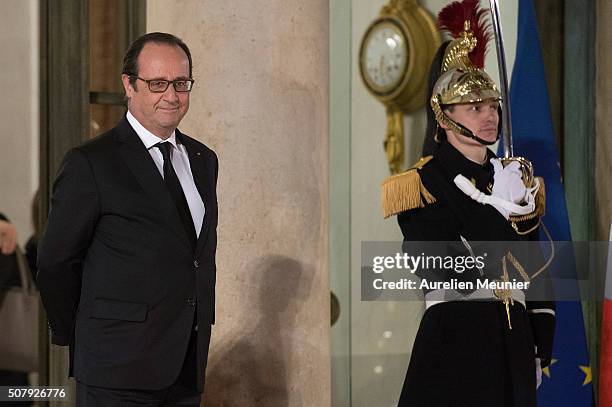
{"x": 117, "y": 275}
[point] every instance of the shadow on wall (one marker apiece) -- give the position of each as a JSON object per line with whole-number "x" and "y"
{"x": 253, "y": 368}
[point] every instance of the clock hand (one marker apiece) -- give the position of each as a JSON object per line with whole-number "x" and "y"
{"x": 381, "y": 66}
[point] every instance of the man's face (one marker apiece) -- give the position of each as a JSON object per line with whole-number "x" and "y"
{"x": 481, "y": 118}
{"x": 160, "y": 113}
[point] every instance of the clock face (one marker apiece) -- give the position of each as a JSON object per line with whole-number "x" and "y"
{"x": 384, "y": 56}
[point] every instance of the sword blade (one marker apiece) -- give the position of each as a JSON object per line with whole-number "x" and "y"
{"x": 503, "y": 79}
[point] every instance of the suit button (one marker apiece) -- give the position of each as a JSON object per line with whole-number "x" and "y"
{"x": 196, "y": 264}
{"x": 191, "y": 302}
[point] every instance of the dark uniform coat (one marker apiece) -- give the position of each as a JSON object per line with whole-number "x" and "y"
{"x": 464, "y": 354}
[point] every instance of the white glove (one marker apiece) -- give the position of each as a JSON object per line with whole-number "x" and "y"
{"x": 507, "y": 181}
{"x": 508, "y": 190}
{"x": 538, "y": 372}
{"x": 504, "y": 207}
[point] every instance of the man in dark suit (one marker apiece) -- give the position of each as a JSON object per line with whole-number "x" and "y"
{"x": 127, "y": 261}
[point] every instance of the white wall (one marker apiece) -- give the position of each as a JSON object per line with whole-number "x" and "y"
{"x": 19, "y": 111}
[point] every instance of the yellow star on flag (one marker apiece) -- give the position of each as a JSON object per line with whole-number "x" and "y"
{"x": 546, "y": 370}
{"x": 588, "y": 376}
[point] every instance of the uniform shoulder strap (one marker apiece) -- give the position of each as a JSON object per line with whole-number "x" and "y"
{"x": 405, "y": 191}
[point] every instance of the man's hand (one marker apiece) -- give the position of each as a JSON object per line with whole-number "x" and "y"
{"x": 538, "y": 373}
{"x": 507, "y": 182}
{"x": 8, "y": 238}
{"x": 508, "y": 190}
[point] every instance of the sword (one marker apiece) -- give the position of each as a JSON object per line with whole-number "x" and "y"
{"x": 526, "y": 166}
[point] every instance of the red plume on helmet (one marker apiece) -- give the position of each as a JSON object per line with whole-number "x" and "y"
{"x": 452, "y": 17}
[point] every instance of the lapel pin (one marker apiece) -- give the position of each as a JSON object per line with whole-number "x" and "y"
{"x": 198, "y": 154}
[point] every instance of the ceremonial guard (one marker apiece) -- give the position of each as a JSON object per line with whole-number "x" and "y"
{"x": 475, "y": 347}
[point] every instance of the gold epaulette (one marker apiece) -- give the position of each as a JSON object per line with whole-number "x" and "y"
{"x": 405, "y": 191}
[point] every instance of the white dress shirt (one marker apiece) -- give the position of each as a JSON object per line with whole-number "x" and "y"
{"x": 180, "y": 162}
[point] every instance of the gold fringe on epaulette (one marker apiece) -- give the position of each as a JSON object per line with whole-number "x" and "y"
{"x": 403, "y": 192}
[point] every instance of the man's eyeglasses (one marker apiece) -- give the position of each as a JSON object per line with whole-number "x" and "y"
{"x": 160, "y": 85}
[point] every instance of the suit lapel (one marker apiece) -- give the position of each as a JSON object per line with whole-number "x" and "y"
{"x": 140, "y": 163}
{"x": 202, "y": 176}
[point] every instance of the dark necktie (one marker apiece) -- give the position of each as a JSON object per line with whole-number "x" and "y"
{"x": 176, "y": 192}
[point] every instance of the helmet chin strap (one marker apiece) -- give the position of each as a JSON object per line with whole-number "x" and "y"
{"x": 464, "y": 131}
{"x": 468, "y": 133}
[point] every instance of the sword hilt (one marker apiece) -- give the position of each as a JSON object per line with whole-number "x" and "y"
{"x": 526, "y": 168}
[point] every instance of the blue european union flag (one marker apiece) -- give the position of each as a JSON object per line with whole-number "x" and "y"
{"x": 567, "y": 382}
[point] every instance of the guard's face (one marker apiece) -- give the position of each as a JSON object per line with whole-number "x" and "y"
{"x": 481, "y": 118}
{"x": 160, "y": 113}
